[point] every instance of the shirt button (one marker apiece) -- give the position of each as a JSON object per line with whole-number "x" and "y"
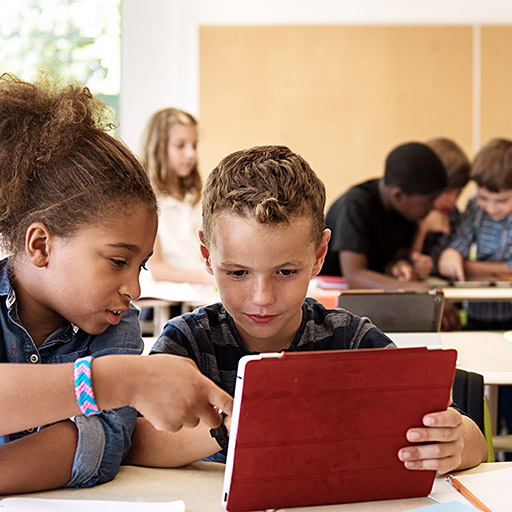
{"x": 34, "y": 358}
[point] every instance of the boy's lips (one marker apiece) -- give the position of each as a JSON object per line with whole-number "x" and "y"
{"x": 261, "y": 319}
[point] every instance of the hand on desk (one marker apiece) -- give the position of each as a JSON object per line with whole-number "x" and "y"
{"x": 418, "y": 268}
{"x": 402, "y": 270}
{"x": 451, "y": 264}
{"x": 452, "y": 441}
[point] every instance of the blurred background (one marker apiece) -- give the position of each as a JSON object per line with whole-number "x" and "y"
{"x": 340, "y": 82}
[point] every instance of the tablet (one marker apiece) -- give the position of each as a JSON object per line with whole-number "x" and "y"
{"x": 397, "y": 310}
{"x": 317, "y": 428}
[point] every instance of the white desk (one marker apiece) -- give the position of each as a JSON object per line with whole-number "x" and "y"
{"x": 199, "y": 485}
{"x": 488, "y": 353}
{"x": 485, "y": 352}
{"x": 480, "y": 294}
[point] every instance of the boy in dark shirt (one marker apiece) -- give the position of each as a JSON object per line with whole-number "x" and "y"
{"x": 263, "y": 239}
{"x": 373, "y": 224}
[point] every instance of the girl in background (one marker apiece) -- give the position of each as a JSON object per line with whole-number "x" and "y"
{"x": 170, "y": 155}
{"x": 78, "y": 218}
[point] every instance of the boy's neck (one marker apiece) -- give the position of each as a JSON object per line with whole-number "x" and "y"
{"x": 262, "y": 345}
{"x": 385, "y": 196}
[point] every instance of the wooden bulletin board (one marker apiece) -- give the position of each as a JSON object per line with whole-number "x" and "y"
{"x": 341, "y": 96}
{"x": 496, "y": 82}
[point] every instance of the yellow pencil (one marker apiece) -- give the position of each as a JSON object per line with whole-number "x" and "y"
{"x": 467, "y": 494}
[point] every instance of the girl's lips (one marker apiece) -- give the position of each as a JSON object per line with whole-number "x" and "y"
{"x": 114, "y": 317}
{"x": 261, "y": 319}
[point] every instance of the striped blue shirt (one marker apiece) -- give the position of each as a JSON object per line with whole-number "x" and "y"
{"x": 209, "y": 336}
{"x": 493, "y": 240}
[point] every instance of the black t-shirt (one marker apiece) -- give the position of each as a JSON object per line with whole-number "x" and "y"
{"x": 359, "y": 222}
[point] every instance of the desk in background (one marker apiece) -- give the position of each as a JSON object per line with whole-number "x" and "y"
{"x": 199, "y": 485}
{"x": 162, "y": 295}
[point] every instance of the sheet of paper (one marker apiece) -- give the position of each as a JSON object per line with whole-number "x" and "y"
{"x": 492, "y": 488}
{"x": 451, "y": 506}
{"x": 43, "y": 505}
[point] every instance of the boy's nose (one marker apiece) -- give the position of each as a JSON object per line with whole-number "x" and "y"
{"x": 263, "y": 293}
{"x": 492, "y": 209}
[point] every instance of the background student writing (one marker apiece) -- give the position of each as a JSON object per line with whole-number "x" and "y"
{"x": 78, "y": 219}
{"x": 263, "y": 239}
{"x": 170, "y": 155}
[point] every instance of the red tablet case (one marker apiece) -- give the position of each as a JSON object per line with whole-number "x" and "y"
{"x": 318, "y": 428}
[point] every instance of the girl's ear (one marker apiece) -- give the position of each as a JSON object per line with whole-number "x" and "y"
{"x": 321, "y": 252}
{"x": 205, "y": 252}
{"x": 37, "y": 244}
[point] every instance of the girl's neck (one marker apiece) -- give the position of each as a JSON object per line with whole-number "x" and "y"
{"x": 37, "y": 320}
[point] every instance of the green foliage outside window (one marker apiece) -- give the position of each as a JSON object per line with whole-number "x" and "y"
{"x": 77, "y": 40}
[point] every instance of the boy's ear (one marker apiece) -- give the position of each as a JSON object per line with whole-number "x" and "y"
{"x": 321, "y": 252}
{"x": 205, "y": 252}
{"x": 37, "y": 244}
{"x": 396, "y": 195}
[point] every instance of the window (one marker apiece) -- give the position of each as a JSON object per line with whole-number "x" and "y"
{"x": 74, "y": 39}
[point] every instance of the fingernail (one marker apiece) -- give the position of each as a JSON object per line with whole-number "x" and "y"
{"x": 404, "y": 455}
{"x": 429, "y": 420}
{"x": 413, "y": 435}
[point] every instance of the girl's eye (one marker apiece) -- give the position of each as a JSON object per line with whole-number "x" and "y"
{"x": 287, "y": 272}
{"x": 118, "y": 263}
{"x": 143, "y": 267}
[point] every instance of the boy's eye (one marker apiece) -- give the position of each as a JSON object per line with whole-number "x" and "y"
{"x": 287, "y": 272}
{"x": 118, "y": 263}
{"x": 236, "y": 273}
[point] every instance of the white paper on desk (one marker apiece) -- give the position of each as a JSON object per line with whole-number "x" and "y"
{"x": 492, "y": 488}
{"x": 43, "y": 505}
{"x": 167, "y": 290}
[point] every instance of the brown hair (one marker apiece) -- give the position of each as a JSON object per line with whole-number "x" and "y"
{"x": 492, "y": 166}
{"x": 155, "y": 142}
{"x": 59, "y": 166}
{"x": 270, "y": 183}
{"x": 455, "y": 161}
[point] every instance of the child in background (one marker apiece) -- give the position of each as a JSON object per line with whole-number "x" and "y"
{"x": 78, "y": 218}
{"x": 170, "y": 155}
{"x": 373, "y": 224}
{"x": 434, "y": 230}
{"x": 263, "y": 239}
{"x": 486, "y": 230}
{"x": 486, "y": 225}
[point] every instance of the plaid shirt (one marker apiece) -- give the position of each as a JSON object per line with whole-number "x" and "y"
{"x": 493, "y": 239}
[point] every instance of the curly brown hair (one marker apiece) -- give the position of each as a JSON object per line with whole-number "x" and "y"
{"x": 269, "y": 183}
{"x": 58, "y": 164}
{"x": 155, "y": 143}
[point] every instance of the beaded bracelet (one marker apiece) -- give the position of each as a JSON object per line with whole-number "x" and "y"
{"x": 83, "y": 387}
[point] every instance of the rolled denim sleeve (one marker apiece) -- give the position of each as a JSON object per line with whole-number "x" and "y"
{"x": 104, "y": 439}
{"x": 103, "y": 442}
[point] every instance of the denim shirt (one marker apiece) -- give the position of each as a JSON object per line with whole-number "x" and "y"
{"x": 103, "y": 440}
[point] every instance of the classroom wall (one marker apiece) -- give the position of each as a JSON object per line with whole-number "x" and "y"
{"x": 340, "y": 82}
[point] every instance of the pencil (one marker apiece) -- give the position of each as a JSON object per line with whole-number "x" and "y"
{"x": 467, "y": 493}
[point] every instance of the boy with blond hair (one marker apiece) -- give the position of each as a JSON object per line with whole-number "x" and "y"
{"x": 263, "y": 239}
